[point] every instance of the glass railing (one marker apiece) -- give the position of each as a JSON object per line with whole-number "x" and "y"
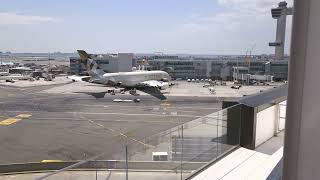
{"x": 180, "y": 150}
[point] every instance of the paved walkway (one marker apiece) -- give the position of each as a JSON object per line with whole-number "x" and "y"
{"x": 245, "y": 164}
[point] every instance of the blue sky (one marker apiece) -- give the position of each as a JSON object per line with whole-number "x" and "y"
{"x": 139, "y": 26}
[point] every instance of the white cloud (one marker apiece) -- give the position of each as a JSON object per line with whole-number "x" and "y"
{"x": 253, "y": 5}
{"x": 19, "y": 19}
{"x": 240, "y": 12}
{"x": 236, "y": 25}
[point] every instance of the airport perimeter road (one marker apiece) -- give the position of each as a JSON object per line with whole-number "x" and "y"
{"x": 39, "y": 126}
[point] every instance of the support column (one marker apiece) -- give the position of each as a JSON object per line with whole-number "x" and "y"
{"x": 280, "y": 37}
{"x": 277, "y": 119}
{"x": 302, "y": 147}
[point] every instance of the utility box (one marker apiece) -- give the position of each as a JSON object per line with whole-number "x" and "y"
{"x": 159, "y": 156}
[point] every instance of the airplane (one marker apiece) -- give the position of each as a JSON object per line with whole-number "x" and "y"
{"x": 150, "y": 82}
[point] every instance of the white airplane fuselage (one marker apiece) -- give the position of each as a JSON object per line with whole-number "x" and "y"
{"x": 131, "y": 79}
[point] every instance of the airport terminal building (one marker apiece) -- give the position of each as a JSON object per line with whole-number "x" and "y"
{"x": 217, "y": 68}
{"x": 121, "y": 62}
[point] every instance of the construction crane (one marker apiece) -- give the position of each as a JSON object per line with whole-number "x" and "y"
{"x": 249, "y": 55}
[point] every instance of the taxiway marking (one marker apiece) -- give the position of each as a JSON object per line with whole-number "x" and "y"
{"x": 10, "y": 121}
{"x": 50, "y": 161}
{"x": 23, "y": 115}
{"x": 120, "y": 133}
{"x": 124, "y": 114}
{"x": 159, "y": 106}
{"x": 106, "y": 120}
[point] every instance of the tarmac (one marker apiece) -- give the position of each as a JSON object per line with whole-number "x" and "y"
{"x": 181, "y": 88}
{"x": 37, "y": 126}
{"x": 41, "y": 82}
{"x": 57, "y": 121}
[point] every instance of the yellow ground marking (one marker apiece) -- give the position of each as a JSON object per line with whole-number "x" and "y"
{"x": 24, "y": 115}
{"x": 164, "y": 103}
{"x": 50, "y": 161}
{"x": 9, "y": 121}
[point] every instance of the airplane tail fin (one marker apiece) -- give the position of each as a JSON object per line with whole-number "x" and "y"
{"x": 91, "y": 65}
{"x": 83, "y": 55}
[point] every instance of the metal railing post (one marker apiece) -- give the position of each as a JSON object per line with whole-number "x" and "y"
{"x": 181, "y": 152}
{"x": 127, "y": 162}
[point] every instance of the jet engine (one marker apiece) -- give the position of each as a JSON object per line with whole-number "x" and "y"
{"x": 164, "y": 85}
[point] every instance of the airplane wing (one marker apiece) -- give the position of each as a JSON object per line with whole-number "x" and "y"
{"x": 153, "y": 91}
{"x": 97, "y": 95}
{"x": 151, "y": 87}
{"x": 79, "y": 78}
{"x": 151, "y": 83}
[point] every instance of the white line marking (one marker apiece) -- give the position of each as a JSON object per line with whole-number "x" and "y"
{"x": 125, "y": 114}
{"x": 111, "y": 121}
{"x": 156, "y": 106}
{"x": 119, "y": 132}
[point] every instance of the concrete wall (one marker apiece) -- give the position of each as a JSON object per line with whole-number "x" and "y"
{"x": 282, "y": 115}
{"x": 225, "y": 72}
{"x": 265, "y": 124}
{"x": 261, "y": 77}
{"x": 269, "y": 122}
{"x": 111, "y": 67}
{"x": 209, "y": 69}
{"x": 125, "y": 62}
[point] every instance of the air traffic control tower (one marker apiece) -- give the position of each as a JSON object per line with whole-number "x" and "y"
{"x": 280, "y": 13}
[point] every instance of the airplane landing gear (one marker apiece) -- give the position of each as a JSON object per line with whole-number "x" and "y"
{"x": 133, "y": 92}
